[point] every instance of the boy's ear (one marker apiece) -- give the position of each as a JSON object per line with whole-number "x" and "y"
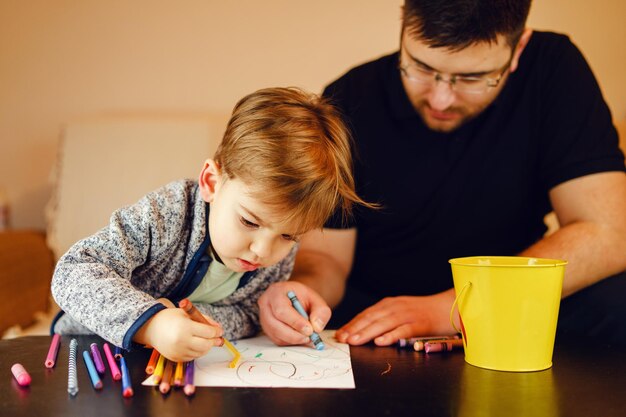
{"x": 209, "y": 179}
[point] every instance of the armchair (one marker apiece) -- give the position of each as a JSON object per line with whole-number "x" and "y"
{"x": 102, "y": 164}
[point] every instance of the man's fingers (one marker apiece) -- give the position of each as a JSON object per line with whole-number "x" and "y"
{"x": 402, "y": 332}
{"x": 365, "y": 326}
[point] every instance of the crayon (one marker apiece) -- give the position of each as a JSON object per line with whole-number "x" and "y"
{"x": 53, "y": 351}
{"x": 154, "y": 357}
{"x": 442, "y": 346}
{"x": 189, "y": 388}
{"x": 234, "y": 352}
{"x": 20, "y": 374}
{"x": 315, "y": 338}
{"x": 195, "y": 315}
{"x": 418, "y": 346}
{"x": 97, "y": 358}
{"x": 127, "y": 387}
{"x": 118, "y": 352}
{"x": 115, "y": 371}
{"x": 179, "y": 374}
{"x": 165, "y": 386}
{"x": 408, "y": 343}
{"x": 72, "y": 378}
{"x": 158, "y": 370}
{"x": 91, "y": 369}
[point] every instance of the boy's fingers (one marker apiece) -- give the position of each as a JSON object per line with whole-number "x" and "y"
{"x": 211, "y": 321}
{"x": 206, "y": 331}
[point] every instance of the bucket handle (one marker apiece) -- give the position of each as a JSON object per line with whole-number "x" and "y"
{"x": 456, "y": 301}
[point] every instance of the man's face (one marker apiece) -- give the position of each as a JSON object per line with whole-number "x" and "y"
{"x": 442, "y": 104}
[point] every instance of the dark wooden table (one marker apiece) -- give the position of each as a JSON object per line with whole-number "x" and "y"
{"x": 584, "y": 380}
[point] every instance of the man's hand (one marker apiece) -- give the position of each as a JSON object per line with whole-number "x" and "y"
{"x": 395, "y": 318}
{"x": 282, "y": 323}
{"x": 177, "y": 337}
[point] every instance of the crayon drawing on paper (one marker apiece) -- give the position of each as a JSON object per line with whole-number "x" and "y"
{"x": 263, "y": 364}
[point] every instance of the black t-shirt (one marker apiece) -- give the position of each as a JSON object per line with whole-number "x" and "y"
{"x": 480, "y": 190}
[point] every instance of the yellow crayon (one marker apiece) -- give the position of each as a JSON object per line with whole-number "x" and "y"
{"x": 158, "y": 371}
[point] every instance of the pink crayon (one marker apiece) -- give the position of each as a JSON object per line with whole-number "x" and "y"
{"x": 115, "y": 371}
{"x": 53, "y": 351}
{"x": 20, "y": 374}
{"x": 442, "y": 345}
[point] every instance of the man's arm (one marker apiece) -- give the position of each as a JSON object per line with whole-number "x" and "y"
{"x": 592, "y": 238}
{"x": 324, "y": 261}
{"x": 592, "y": 234}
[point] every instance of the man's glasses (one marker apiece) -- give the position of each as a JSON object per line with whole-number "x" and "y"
{"x": 418, "y": 73}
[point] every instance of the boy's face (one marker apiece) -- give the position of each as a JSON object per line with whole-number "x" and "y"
{"x": 245, "y": 233}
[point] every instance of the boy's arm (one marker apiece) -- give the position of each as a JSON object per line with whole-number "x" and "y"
{"x": 92, "y": 281}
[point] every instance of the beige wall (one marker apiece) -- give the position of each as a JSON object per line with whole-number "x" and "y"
{"x": 67, "y": 59}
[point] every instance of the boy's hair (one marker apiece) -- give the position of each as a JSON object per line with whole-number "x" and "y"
{"x": 292, "y": 150}
{"x": 457, "y": 24}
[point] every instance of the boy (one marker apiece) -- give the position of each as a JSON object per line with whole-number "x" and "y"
{"x": 282, "y": 168}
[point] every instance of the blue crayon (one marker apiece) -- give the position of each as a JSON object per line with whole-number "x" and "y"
{"x": 91, "y": 368}
{"x": 315, "y": 338}
{"x": 118, "y": 352}
{"x": 127, "y": 387}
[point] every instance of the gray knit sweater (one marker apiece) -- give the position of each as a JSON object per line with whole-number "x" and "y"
{"x": 108, "y": 283}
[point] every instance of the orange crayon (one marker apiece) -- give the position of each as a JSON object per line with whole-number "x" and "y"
{"x": 154, "y": 357}
{"x": 179, "y": 374}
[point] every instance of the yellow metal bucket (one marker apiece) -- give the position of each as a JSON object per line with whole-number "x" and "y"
{"x": 508, "y": 308}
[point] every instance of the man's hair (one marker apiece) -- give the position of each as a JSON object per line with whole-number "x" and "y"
{"x": 292, "y": 151}
{"x": 457, "y": 24}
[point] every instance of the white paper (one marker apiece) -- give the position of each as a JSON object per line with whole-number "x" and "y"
{"x": 263, "y": 364}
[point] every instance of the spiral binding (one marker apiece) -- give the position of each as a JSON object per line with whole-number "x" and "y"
{"x": 72, "y": 380}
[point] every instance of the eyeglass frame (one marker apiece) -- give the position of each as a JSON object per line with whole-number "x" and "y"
{"x": 438, "y": 76}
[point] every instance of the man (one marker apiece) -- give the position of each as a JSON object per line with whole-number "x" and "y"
{"x": 466, "y": 137}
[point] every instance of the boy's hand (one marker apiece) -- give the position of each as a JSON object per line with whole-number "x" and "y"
{"x": 177, "y": 337}
{"x": 280, "y": 320}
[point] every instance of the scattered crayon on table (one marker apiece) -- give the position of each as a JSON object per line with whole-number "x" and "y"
{"x": 442, "y": 346}
{"x": 115, "y": 371}
{"x": 97, "y": 358}
{"x": 158, "y": 370}
{"x": 154, "y": 357}
{"x": 21, "y": 375}
{"x": 165, "y": 384}
{"x": 91, "y": 369}
{"x": 179, "y": 374}
{"x": 53, "y": 351}
{"x": 189, "y": 388}
{"x": 127, "y": 387}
